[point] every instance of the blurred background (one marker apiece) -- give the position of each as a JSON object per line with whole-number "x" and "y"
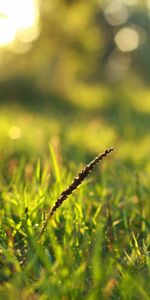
{"x": 75, "y": 74}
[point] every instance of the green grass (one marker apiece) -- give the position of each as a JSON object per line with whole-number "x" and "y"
{"x": 97, "y": 245}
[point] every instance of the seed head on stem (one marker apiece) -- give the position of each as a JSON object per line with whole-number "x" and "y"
{"x": 73, "y": 186}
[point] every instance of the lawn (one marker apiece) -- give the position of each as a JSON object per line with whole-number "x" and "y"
{"x": 97, "y": 244}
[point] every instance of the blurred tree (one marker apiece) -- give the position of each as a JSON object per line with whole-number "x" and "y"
{"x": 84, "y": 41}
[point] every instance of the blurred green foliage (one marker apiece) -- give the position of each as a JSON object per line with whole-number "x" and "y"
{"x": 79, "y": 92}
{"x": 77, "y": 45}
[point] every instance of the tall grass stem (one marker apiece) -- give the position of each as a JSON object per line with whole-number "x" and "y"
{"x": 73, "y": 186}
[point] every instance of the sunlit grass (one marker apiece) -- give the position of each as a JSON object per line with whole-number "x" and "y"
{"x": 97, "y": 244}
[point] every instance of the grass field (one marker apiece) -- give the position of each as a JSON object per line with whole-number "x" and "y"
{"x": 97, "y": 245}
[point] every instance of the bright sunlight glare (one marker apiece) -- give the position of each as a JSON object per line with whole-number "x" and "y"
{"x": 17, "y": 17}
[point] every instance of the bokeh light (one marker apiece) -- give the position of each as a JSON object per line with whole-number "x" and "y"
{"x": 130, "y": 2}
{"x": 19, "y": 19}
{"x": 14, "y": 133}
{"x": 116, "y": 13}
{"x": 127, "y": 39}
